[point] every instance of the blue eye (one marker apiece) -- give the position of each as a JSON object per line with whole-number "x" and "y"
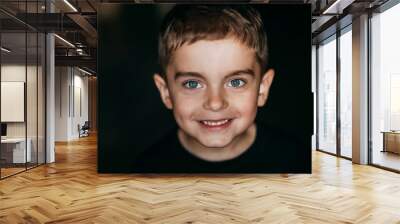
{"x": 236, "y": 83}
{"x": 192, "y": 84}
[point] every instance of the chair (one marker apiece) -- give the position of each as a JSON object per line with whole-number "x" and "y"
{"x": 84, "y": 130}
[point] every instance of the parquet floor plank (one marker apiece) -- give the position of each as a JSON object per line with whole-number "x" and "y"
{"x": 71, "y": 191}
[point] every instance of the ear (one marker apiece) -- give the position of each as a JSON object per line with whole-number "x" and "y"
{"x": 265, "y": 84}
{"x": 163, "y": 89}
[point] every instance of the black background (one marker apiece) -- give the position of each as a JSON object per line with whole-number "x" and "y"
{"x": 131, "y": 114}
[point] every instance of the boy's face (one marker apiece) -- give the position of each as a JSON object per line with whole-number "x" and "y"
{"x": 214, "y": 89}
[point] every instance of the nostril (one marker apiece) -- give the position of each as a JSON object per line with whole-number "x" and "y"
{"x": 216, "y": 103}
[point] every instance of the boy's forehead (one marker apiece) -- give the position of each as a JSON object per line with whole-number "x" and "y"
{"x": 213, "y": 57}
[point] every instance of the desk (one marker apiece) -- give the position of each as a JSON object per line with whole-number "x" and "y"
{"x": 15, "y": 148}
{"x": 391, "y": 141}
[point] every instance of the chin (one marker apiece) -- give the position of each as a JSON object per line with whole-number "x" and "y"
{"x": 215, "y": 143}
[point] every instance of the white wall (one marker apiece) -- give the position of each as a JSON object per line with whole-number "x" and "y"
{"x": 62, "y": 81}
{"x": 80, "y": 110}
{"x": 71, "y": 102}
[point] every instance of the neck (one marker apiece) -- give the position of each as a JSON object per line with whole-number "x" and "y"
{"x": 237, "y": 146}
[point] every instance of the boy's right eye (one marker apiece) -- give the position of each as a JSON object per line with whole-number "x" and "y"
{"x": 192, "y": 84}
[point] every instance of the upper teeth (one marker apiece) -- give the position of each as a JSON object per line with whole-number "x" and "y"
{"x": 215, "y": 123}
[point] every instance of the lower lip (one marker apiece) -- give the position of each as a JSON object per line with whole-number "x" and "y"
{"x": 217, "y": 127}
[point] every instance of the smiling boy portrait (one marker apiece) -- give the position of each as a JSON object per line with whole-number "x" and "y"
{"x": 214, "y": 77}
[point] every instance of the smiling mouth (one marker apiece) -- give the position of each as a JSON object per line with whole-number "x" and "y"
{"x": 216, "y": 124}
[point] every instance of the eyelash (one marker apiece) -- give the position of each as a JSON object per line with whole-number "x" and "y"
{"x": 241, "y": 80}
{"x": 186, "y": 83}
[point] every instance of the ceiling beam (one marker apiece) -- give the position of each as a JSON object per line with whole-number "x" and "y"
{"x": 84, "y": 24}
{"x": 84, "y": 61}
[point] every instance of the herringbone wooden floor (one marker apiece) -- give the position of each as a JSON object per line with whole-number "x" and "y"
{"x": 71, "y": 191}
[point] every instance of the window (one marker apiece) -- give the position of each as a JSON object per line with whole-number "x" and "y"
{"x": 346, "y": 93}
{"x": 327, "y": 95}
{"x": 385, "y": 87}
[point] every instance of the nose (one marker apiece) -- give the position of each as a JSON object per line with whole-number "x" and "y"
{"x": 215, "y": 100}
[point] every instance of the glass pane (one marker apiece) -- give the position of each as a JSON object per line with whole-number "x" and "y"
{"x": 41, "y": 98}
{"x": 386, "y": 88}
{"x": 313, "y": 84}
{"x": 346, "y": 94}
{"x": 327, "y": 96}
{"x": 13, "y": 86}
{"x": 31, "y": 101}
{"x": 80, "y": 101}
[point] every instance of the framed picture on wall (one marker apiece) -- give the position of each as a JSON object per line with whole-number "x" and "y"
{"x": 205, "y": 88}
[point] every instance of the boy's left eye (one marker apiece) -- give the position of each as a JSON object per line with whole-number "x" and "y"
{"x": 236, "y": 83}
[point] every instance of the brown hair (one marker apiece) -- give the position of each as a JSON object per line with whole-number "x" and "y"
{"x": 191, "y": 23}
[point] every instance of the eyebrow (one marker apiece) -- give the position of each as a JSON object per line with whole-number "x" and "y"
{"x": 249, "y": 72}
{"x": 187, "y": 74}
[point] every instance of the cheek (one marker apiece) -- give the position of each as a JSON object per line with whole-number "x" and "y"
{"x": 185, "y": 107}
{"x": 245, "y": 103}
